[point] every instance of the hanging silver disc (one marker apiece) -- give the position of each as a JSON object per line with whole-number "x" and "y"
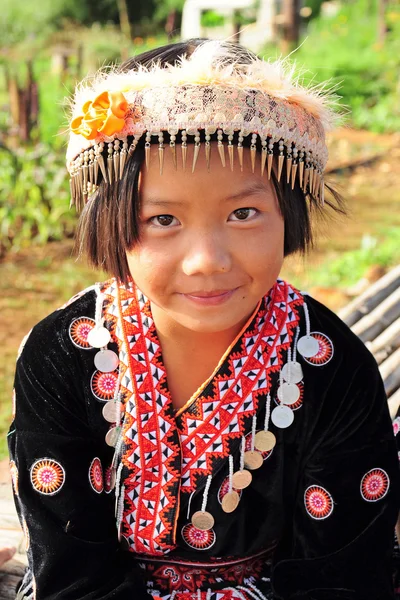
{"x": 112, "y": 436}
{"x": 253, "y": 459}
{"x": 308, "y": 346}
{"x": 282, "y": 416}
{"x": 110, "y": 411}
{"x": 264, "y": 441}
{"x": 296, "y": 372}
{"x": 106, "y": 361}
{"x": 113, "y": 477}
{"x": 98, "y": 337}
{"x": 288, "y": 393}
{"x": 241, "y": 479}
{"x": 230, "y": 501}
{"x": 203, "y": 520}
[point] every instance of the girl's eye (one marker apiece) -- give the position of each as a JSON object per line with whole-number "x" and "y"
{"x": 164, "y": 220}
{"x": 242, "y": 214}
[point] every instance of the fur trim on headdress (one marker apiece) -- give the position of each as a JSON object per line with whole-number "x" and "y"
{"x": 211, "y": 64}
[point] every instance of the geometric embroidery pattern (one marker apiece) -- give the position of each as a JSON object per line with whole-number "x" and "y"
{"x": 198, "y": 539}
{"x": 96, "y": 475}
{"x": 374, "y": 485}
{"x": 325, "y": 351}
{"x": 164, "y": 455}
{"x": 79, "y": 330}
{"x": 318, "y": 502}
{"x": 47, "y": 476}
{"x": 189, "y": 576}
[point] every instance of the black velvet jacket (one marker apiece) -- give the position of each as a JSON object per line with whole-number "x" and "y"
{"x": 316, "y": 523}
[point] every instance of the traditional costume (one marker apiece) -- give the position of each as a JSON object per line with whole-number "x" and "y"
{"x": 279, "y": 478}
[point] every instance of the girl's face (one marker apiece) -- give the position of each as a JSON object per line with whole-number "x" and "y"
{"x": 211, "y": 242}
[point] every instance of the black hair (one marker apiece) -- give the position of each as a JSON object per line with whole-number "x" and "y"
{"x": 108, "y": 226}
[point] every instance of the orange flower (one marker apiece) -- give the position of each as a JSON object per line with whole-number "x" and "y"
{"x": 105, "y": 114}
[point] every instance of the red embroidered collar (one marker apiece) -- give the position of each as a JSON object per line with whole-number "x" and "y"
{"x": 165, "y": 455}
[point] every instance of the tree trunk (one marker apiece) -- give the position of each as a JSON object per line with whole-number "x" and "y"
{"x": 170, "y": 24}
{"x": 124, "y": 18}
{"x": 236, "y": 27}
{"x": 291, "y": 26}
{"x": 382, "y": 28}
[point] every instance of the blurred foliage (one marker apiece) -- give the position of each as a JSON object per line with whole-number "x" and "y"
{"x": 211, "y": 18}
{"x": 344, "y": 49}
{"x": 34, "y": 198}
{"x": 382, "y": 249}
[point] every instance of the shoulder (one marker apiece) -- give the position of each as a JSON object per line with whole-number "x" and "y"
{"x": 347, "y": 347}
{"x": 65, "y": 329}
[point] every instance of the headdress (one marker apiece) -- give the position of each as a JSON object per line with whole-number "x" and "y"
{"x": 210, "y": 92}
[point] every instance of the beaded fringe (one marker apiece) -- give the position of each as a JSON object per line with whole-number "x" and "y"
{"x": 300, "y": 164}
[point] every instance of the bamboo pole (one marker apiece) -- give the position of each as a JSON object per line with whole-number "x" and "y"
{"x": 390, "y": 371}
{"x": 370, "y": 326}
{"x": 386, "y": 343}
{"x": 370, "y": 299}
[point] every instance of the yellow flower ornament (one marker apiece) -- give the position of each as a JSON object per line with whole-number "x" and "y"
{"x": 105, "y": 115}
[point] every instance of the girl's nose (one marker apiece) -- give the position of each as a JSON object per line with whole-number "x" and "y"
{"x": 207, "y": 254}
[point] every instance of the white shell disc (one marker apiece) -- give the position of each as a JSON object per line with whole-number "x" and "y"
{"x": 112, "y": 436}
{"x": 288, "y": 393}
{"x": 98, "y": 337}
{"x": 282, "y": 416}
{"x": 253, "y": 459}
{"x": 203, "y": 520}
{"x": 106, "y": 361}
{"x": 308, "y": 346}
{"x": 241, "y": 479}
{"x": 296, "y": 372}
{"x": 110, "y": 411}
{"x": 230, "y": 501}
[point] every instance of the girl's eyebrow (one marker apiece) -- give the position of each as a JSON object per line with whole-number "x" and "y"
{"x": 251, "y": 190}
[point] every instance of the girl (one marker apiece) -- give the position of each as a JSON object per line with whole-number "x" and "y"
{"x": 194, "y": 427}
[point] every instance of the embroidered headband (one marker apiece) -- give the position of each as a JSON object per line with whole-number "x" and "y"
{"x": 209, "y": 92}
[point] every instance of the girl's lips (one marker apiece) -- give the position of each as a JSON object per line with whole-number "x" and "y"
{"x": 210, "y": 298}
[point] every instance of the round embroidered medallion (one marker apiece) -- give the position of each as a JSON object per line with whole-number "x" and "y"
{"x": 96, "y": 475}
{"x": 298, "y": 402}
{"x": 325, "y": 352}
{"x": 103, "y": 385}
{"x": 198, "y": 539}
{"x": 265, "y": 454}
{"x": 14, "y": 477}
{"x": 374, "y": 485}
{"x": 224, "y": 489}
{"x": 47, "y": 476}
{"x": 26, "y": 534}
{"x": 318, "y": 502}
{"x": 79, "y": 330}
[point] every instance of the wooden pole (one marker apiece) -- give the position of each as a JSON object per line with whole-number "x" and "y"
{"x": 382, "y": 28}
{"x": 124, "y": 18}
{"x": 291, "y": 25}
